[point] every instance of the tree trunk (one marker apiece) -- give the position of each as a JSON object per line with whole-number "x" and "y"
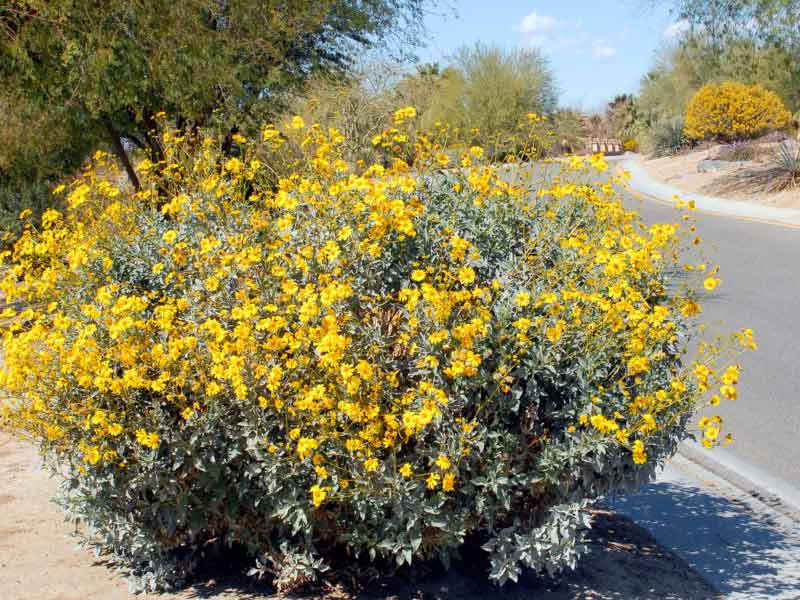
{"x": 123, "y": 157}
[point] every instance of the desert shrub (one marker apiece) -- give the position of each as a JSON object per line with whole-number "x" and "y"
{"x": 375, "y": 363}
{"x": 781, "y": 172}
{"x": 733, "y": 110}
{"x": 666, "y": 138}
{"x": 785, "y": 167}
{"x": 739, "y": 151}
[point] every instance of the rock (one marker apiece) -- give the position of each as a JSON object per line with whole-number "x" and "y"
{"x": 718, "y": 151}
{"x": 707, "y": 165}
{"x": 774, "y": 137}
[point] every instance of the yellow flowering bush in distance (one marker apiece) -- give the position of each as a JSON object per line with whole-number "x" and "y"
{"x": 733, "y": 110}
{"x": 314, "y": 360}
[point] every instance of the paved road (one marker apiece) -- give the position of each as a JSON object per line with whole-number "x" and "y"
{"x": 760, "y": 269}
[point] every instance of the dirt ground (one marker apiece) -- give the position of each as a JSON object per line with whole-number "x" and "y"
{"x": 40, "y": 561}
{"x": 681, "y": 172}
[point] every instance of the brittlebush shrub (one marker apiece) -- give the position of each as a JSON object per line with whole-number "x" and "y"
{"x": 732, "y": 110}
{"x": 373, "y": 363}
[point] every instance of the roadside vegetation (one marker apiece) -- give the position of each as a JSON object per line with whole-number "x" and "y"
{"x": 283, "y": 302}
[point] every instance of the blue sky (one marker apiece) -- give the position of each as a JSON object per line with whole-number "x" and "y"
{"x": 597, "y": 48}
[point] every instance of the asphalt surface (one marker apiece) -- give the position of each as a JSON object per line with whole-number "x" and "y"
{"x": 760, "y": 271}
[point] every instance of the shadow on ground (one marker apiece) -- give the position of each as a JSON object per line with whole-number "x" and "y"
{"x": 624, "y": 563}
{"x": 721, "y": 537}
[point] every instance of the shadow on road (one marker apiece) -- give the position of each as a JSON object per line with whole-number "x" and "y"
{"x": 721, "y": 537}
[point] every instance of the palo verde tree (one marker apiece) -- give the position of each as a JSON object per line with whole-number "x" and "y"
{"x": 114, "y": 65}
{"x": 487, "y": 89}
{"x": 757, "y": 41}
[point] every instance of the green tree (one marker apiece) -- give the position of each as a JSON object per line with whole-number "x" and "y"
{"x": 757, "y": 41}
{"x": 36, "y": 148}
{"x": 568, "y": 126}
{"x": 491, "y": 89}
{"x": 115, "y": 65}
{"x": 623, "y": 116}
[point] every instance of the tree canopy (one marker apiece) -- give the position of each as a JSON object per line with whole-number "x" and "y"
{"x": 114, "y": 65}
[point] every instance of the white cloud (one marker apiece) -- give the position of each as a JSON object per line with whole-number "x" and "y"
{"x": 676, "y": 29}
{"x": 536, "y": 23}
{"x": 553, "y": 35}
{"x": 602, "y": 50}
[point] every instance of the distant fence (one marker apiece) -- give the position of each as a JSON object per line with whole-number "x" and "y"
{"x": 606, "y": 146}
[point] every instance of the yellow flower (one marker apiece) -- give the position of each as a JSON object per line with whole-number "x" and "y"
{"x": 523, "y": 324}
{"x": 157, "y": 268}
{"x": 233, "y": 165}
{"x": 297, "y": 123}
{"x": 114, "y": 429}
{"x": 99, "y": 417}
{"x": 553, "y": 334}
{"x": 406, "y": 470}
{"x": 711, "y": 283}
{"x": 148, "y": 440}
{"x": 318, "y": 494}
{"x": 638, "y": 364}
{"x": 432, "y": 481}
{"x": 731, "y": 375}
{"x": 639, "y": 455}
{"x": 170, "y": 236}
{"x": 400, "y": 115}
{"x": 306, "y": 446}
{"x": 466, "y": 275}
{"x": 522, "y": 299}
{"x": 187, "y": 413}
{"x": 418, "y": 275}
{"x": 371, "y": 464}
{"x": 711, "y": 433}
{"x": 449, "y": 482}
{"x": 91, "y": 455}
{"x": 211, "y": 283}
{"x": 443, "y": 462}
{"x": 437, "y": 337}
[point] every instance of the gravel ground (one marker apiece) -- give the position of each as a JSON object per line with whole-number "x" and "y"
{"x": 682, "y": 172}
{"x": 39, "y": 560}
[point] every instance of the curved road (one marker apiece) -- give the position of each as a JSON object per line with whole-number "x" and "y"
{"x": 760, "y": 271}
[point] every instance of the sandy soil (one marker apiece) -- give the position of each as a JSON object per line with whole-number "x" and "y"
{"x": 681, "y": 172}
{"x": 39, "y": 561}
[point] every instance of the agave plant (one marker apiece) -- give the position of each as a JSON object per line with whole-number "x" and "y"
{"x": 782, "y": 172}
{"x": 785, "y": 167}
{"x": 667, "y": 137}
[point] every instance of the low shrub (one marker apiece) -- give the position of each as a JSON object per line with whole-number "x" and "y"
{"x": 785, "y": 167}
{"x": 738, "y": 152}
{"x": 352, "y": 362}
{"x": 732, "y": 110}
{"x": 666, "y": 138}
{"x": 630, "y": 145}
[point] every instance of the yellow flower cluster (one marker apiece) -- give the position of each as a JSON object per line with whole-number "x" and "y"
{"x": 733, "y": 110}
{"x": 347, "y": 308}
